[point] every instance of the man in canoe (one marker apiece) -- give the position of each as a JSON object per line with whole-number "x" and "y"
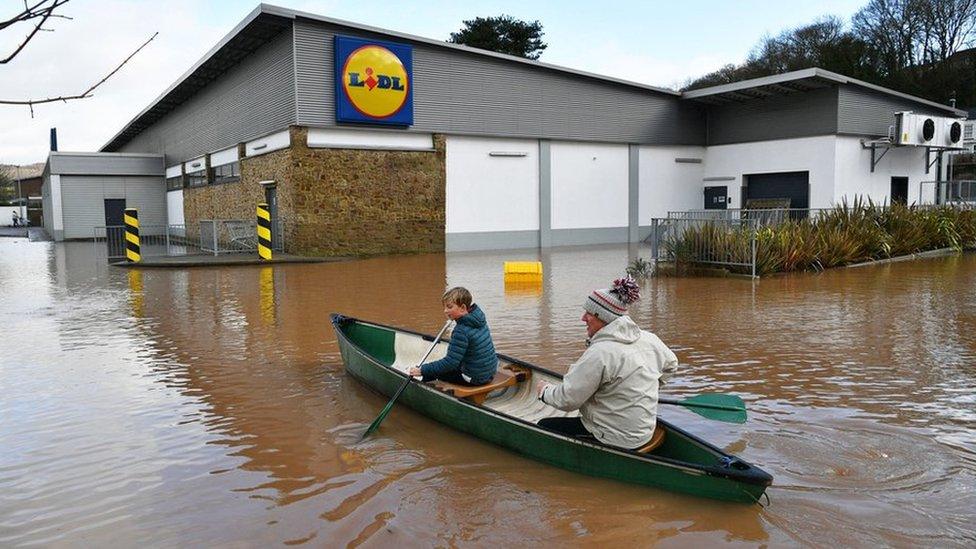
{"x": 614, "y": 384}
{"x": 471, "y": 358}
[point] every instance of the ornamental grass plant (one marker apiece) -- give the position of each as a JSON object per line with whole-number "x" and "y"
{"x": 850, "y": 233}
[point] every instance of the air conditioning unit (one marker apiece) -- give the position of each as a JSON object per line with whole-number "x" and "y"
{"x": 923, "y": 130}
{"x": 916, "y": 129}
{"x": 951, "y": 134}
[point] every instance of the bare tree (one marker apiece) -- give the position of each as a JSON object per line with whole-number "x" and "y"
{"x": 950, "y": 26}
{"x": 39, "y": 14}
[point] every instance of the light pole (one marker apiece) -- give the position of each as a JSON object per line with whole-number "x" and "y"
{"x": 21, "y": 211}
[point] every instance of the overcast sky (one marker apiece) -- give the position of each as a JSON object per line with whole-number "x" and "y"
{"x": 657, "y": 43}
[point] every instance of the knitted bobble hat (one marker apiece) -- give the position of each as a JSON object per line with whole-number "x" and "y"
{"x": 609, "y": 304}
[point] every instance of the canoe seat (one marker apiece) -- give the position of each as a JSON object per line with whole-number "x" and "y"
{"x": 657, "y": 439}
{"x": 503, "y": 378}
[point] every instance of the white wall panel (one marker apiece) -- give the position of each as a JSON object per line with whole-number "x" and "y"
{"x": 807, "y": 154}
{"x": 195, "y": 165}
{"x": 174, "y": 208}
{"x": 226, "y": 156}
{"x": 854, "y": 177}
{"x": 351, "y": 139}
{"x": 589, "y": 185}
{"x": 174, "y": 171}
{"x": 57, "y": 211}
{"x": 492, "y": 193}
{"x": 668, "y": 185}
{"x": 268, "y": 143}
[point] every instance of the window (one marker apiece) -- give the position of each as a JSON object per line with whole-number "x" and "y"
{"x": 174, "y": 183}
{"x": 227, "y": 173}
{"x": 196, "y": 178}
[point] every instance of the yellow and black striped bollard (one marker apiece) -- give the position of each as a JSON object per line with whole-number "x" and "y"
{"x": 264, "y": 231}
{"x": 132, "y": 251}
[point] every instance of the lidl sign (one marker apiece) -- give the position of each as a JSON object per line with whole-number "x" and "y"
{"x": 374, "y": 82}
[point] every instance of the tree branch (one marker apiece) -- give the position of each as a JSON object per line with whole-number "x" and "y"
{"x": 85, "y": 94}
{"x": 29, "y": 13}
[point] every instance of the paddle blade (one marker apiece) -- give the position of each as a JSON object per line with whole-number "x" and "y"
{"x": 716, "y": 406}
{"x": 379, "y": 419}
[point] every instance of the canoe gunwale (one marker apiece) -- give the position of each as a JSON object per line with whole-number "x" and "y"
{"x": 753, "y": 475}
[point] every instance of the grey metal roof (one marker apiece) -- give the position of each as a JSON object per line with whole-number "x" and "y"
{"x": 266, "y": 21}
{"x": 793, "y": 82}
{"x": 249, "y": 35}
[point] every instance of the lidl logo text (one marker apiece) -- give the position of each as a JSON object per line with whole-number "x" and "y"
{"x": 373, "y": 82}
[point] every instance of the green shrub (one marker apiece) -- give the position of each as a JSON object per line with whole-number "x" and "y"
{"x": 850, "y": 233}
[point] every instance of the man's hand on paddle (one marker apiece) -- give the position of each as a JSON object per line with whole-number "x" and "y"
{"x": 539, "y": 387}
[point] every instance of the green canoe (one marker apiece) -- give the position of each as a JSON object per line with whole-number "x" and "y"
{"x": 379, "y": 356}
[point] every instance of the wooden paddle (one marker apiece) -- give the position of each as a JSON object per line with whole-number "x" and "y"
{"x": 389, "y": 406}
{"x": 717, "y": 406}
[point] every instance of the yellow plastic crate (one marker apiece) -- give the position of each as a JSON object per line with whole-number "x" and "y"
{"x": 532, "y": 268}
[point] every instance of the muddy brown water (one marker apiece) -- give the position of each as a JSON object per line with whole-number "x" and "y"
{"x": 209, "y": 406}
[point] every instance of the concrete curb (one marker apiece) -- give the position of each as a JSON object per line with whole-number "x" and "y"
{"x": 941, "y": 252}
{"x": 180, "y": 262}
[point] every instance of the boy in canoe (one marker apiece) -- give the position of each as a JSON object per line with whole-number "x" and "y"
{"x": 614, "y": 384}
{"x": 471, "y": 358}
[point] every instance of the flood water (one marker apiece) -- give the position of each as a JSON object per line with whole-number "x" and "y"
{"x": 209, "y": 406}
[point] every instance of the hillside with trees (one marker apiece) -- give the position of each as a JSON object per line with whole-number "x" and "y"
{"x": 920, "y": 47}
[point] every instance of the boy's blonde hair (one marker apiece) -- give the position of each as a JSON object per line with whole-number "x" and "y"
{"x": 458, "y": 296}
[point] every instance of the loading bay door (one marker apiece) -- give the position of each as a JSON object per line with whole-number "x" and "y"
{"x": 792, "y": 186}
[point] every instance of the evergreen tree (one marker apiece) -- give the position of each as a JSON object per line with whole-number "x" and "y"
{"x": 503, "y": 34}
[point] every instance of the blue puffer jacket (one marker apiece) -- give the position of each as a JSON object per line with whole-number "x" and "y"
{"x": 471, "y": 350}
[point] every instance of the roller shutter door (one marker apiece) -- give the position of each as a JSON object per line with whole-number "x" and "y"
{"x": 794, "y": 186}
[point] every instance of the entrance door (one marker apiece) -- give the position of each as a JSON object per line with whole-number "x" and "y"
{"x": 899, "y": 190}
{"x": 114, "y": 212}
{"x": 271, "y": 198}
{"x": 115, "y": 230}
{"x": 716, "y": 198}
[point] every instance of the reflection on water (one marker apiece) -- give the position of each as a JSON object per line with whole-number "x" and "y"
{"x": 209, "y": 405}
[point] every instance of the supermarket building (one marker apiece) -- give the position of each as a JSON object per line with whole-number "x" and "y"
{"x": 370, "y": 141}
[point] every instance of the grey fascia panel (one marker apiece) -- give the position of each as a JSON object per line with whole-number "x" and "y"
{"x": 65, "y": 163}
{"x": 867, "y": 112}
{"x": 255, "y": 97}
{"x": 464, "y": 93}
{"x": 816, "y": 73}
{"x": 802, "y": 114}
{"x": 387, "y": 34}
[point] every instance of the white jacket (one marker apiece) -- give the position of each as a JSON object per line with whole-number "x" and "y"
{"x": 615, "y": 384}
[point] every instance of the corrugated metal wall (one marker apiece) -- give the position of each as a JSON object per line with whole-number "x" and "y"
{"x": 801, "y": 114}
{"x": 254, "y": 98}
{"x": 869, "y": 113}
{"x": 462, "y": 93}
{"x": 83, "y": 200}
{"x": 105, "y": 164}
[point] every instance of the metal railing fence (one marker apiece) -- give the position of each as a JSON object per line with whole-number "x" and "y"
{"x": 695, "y": 240}
{"x": 154, "y": 241}
{"x": 954, "y": 193}
{"x": 222, "y": 236}
{"x": 209, "y": 236}
{"x": 762, "y": 216}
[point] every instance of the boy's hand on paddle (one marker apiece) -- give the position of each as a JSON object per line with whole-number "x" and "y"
{"x": 414, "y": 372}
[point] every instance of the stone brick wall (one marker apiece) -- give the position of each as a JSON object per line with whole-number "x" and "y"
{"x": 339, "y": 202}
{"x": 365, "y": 202}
